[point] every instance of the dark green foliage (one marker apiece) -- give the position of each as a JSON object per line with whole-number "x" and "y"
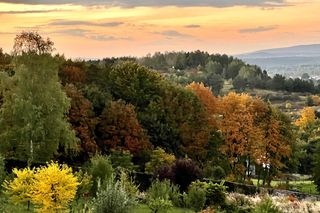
{"x": 195, "y": 199}
{"x": 122, "y": 160}
{"x": 216, "y": 194}
{"x": 33, "y": 123}
{"x": 316, "y": 168}
{"x": 215, "y": 172}
{"x": 100, "y": 168}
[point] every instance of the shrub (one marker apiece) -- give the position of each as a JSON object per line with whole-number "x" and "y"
{"x": 122, "y": 160}
{"x": 215, "y": 172}
{"x": 164, "y": 190}
{"x": 54, "y": 187}
{"x": 195, "y": 199}
{"x": 159, "y": 205}
{"x": 216, "y": 194}
{"x": 85, "y": 185}
{"x": 239, "y": 203}
{"x": 266, "y": 206}
{"x": 159, "y": 158}
{"x": 20, "y": 188}
{"x": 182, "y": 173}
{"x": 112, "y": 198}
{"x": 101, "y": 170}
{"x": 128, "y": 184}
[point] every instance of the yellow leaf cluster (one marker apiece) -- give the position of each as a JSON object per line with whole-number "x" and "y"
{"x": 20, "y": 188}
{"x": 55, "y": 186}
{"x": 159, "y": 158}
{"x": 307, "y": 118}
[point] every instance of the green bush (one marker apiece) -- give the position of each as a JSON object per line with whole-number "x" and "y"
{"x": 266, "y": 206}
{"x": 159, "y": 205}
{"x": 122, "y": 160}
{"x": 164, "y": 190}
{"x": 195, "y": 199}
{"x": 216, "y": 194}
{"x": 101, "y": 170}
{"x": 112, "y": 198}
{"x": 216, "y": 172}
{"x": 128, "y": 184}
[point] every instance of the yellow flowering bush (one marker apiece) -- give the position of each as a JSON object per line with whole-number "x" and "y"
{"x": 50, "y": 188}
{"x": 54, "y": 187}
{"x": 21, "y": 187}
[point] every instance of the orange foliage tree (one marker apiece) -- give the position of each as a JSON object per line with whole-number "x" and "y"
{"x": 118, "y": 128}
{"x": 82, "y": 119}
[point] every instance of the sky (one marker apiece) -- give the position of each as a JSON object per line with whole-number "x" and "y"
{"x": 106, "y": 28}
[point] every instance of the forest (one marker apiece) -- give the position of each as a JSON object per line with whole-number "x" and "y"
{"x": 160, "y": 133}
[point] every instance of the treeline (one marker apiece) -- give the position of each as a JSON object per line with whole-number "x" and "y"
{"x": 213, "y": 69}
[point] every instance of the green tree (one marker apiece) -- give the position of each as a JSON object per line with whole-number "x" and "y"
{"x": 32, "y": 118}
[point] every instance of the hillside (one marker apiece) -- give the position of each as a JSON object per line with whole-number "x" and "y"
{"x": 289, "y": 61}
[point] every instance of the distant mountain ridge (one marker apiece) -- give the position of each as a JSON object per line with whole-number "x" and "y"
{"x": 311, "y": 50}
{"x": 289, "y": 61}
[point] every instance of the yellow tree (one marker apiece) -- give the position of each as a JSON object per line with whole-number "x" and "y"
{"x": 21, "y": 187}
{"x": 307, "y": 118}
{"x": 241, "y": 134}
{"x": 54, "y": 187}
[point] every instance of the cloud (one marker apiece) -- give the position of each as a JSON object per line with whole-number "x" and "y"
{"x": 172, "y": 33}
{"x": 192, "y": 26}
{"x": 136, "y": 3}
{"x": 89, "y": 35}
{"x": 29, "y": 11}
{"x": 258, "y": 29}
{"x": 85, "y": 23}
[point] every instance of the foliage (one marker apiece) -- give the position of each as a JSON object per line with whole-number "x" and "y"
{"x": 2, "y": 170}
{"x": 32, "y": 42}
{"x": 164, "y": 190}
{"x": 215, "y": 172}
{"x": 195, "y": 199}
{"x": 182, "y": 173}
{"x": 85, "y": 184}
{"x": 159, "y": 205}
{"x": 122, "y": 160}
{"x": 20, "y": 189}
{"x": 118, "y": 128}
{"x": 307, "y": 118}
{"x": 266, "y": 206}
{"x": 54, "y": 187}
{"x": 82, "y": 120}
{"x": 216, "y": 194}
{"x": 100, "y": 168}
{"x": 128, "y": 185}
{"x": 112, "y": 198}
{"x": 158, "y": 159}
{"x": 33, "y": 124}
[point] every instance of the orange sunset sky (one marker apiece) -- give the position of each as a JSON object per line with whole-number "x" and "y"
{"x": 97, "y": 29}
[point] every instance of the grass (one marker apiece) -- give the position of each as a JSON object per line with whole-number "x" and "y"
{"x": 304, "y": 186}
{"x": 145, "y": 209}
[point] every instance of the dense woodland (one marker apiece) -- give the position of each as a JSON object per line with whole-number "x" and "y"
{"x": 152, "y": 115}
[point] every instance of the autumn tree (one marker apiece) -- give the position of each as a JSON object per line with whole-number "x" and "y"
{"x": 72, "y": 75}
{"x": 238, "y": 129}
{"x": 32, "y": 118}
{"x": 82, "y": 120}
{"x": 32, "y": 42}
{"x": 307, "y": 118}
{"x": 118, "y": 128}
